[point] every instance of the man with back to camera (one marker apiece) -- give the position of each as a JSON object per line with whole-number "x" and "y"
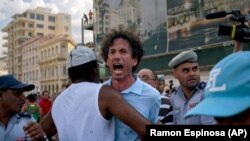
{"x": 122, "y": 51}
{"x": 227, "y": 93}
{"x": 89, "y": 105}
{"x": 191, "y": 90}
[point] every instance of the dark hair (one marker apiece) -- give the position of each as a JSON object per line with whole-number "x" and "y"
{"x": 31, "y": 97}
{"x": 45, "y": 92}
{"x": 84, "y": 72}
{"x": 126, "y": 34}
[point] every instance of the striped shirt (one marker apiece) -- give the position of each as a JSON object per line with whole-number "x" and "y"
{"x": 165, "y": 113}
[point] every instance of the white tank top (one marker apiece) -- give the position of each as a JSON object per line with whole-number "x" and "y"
{"x": 77, "y": 116}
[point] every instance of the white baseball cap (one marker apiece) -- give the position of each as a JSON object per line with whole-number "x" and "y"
{"x": 80, "y": 55}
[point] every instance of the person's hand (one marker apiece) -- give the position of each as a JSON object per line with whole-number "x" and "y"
{"x": 237, "y": 46}
{"x": 34, "y": 131}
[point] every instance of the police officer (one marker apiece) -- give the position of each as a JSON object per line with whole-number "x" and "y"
{"x": 227, "y": 93}
{"x": 12, "y": 122}
{"x": 191, "y": 90}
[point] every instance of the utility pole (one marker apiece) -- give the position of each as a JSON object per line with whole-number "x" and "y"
{"x": 82, "y": 30}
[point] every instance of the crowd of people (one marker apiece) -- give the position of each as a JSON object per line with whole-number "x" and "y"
{"x": 120, "y": 108}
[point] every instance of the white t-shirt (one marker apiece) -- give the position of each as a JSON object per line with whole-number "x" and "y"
{"x": 77, "y": 116}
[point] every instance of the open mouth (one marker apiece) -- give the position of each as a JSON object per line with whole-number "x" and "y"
{"x": 117, "y": 66}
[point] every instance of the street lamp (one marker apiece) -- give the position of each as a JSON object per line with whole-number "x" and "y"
{"x": 139, "y": 22}
{"x": 82, "y": 29}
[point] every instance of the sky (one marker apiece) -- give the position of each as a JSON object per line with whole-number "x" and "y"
{"x": 75, "y": 8}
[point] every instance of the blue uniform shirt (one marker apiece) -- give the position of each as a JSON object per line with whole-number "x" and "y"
{"x": 181, "y": 106}
{"x": 14, "y": 128}
{"x": 145, "y": 99}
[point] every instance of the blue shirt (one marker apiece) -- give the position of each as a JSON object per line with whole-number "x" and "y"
{"x": 14, "y": 128}
{"x": 145, "y": 99}
{"x": 181, "y": 105}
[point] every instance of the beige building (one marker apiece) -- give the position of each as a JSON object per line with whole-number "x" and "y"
{"x": 52, "y": 63}
{"x": 3, "y": 65}
{"x": 30, "y": 62}
{"x": 31, "y": 23}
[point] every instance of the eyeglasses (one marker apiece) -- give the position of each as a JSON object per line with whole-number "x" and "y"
{"x": 146, "y": 78}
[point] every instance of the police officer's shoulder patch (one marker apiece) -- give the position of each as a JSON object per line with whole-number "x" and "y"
{"x": 25, "y": 115}
{"x": 202, "y": 85}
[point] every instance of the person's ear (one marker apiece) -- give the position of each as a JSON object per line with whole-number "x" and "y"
{"x": 175, "y": 74}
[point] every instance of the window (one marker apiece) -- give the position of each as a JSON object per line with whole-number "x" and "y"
{"x": 51, "y": 27}
{"x": 67, "y": 19}
{"x": 32, "y": 15}
{"x": 40, "y": 17}
{"x": 30, "y": 34}
{"x": 26, "y": 63}
{"x": 33, "y": 58}
{"x": 45, "y": 53}
{"x": 45, "y": 73}
{"x": 66, "y": 28}
{"x": 30, "y": 25}
{"x": 52, "y": 71}
{"x": 64, "y": 70}
{"x": 39, "y": 34}
{"x": 36, "y": 74}
{"x": 49, "y": 52}
{"x": 56, "y": 71}
{"x": 52, "y": 19}
{"x": 42, "y": 73}
{"x": 39, "y": 25}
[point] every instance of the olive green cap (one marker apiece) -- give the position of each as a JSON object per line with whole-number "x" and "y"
{"x": 185, "y": 56}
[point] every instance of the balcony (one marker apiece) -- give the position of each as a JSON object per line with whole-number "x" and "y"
{"x": 5, "y": 44}
{"x": 89, "y": 26}
{"x": 5, "y": 53}
{"x": 23, "y": 19}
{"x": 54, "y": 57}
{"x": 5, "y": 38}
{"x": 22, "y": 37}
{"x": 24, "y": 28}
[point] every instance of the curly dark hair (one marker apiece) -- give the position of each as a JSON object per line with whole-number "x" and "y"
{"x": 126, "y": 34}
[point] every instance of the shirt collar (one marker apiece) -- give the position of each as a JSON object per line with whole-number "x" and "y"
{"x": 15, "y": 119}
{"x": 200, "y": 86}
{"x": 135, "y": 88}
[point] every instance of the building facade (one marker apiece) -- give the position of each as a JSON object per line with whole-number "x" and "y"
{"x": 3, "y": 65}
{"x": 31, "y": 23}
{"x": 52, "y": 63}
{"x": 30, "y": 61}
